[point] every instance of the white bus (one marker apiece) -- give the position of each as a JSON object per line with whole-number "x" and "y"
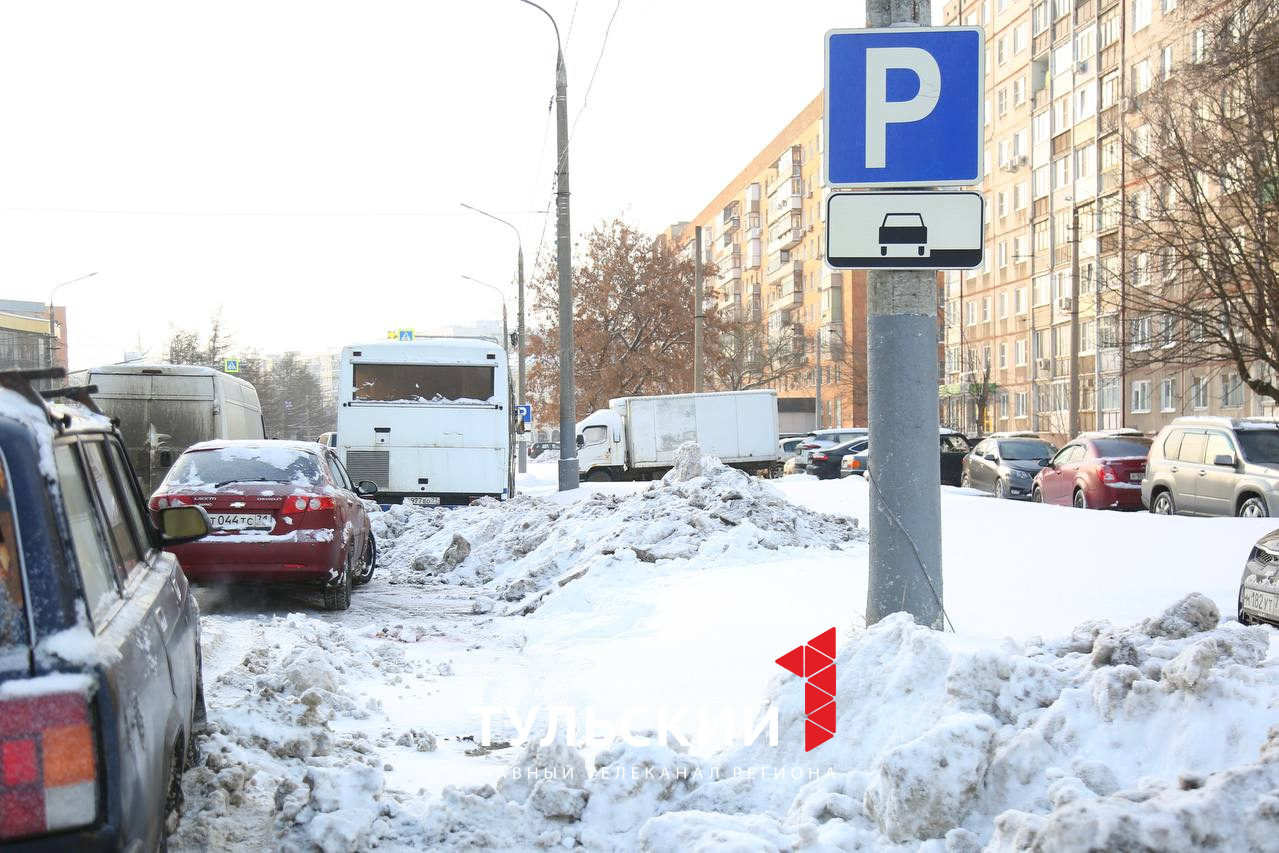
{"x": 429, "y": 420}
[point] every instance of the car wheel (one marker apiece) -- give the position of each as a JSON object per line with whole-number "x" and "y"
{"x": 337, "y": 595}
{"x": 367, "y": 564}
{"x": 1253, "y": 507}
{"x": 1163, "y": 504}
{"x": 999, "y": 489}
{"x": 1036, "y": 496}
{"x": 1081, "y": 500}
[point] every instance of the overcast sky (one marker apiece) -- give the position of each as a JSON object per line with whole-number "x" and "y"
{"x": 301, "y": 164}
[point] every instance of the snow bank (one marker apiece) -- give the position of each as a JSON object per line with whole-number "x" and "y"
{"x": 1155, "y": 736}
{"x": 521, "y": 551}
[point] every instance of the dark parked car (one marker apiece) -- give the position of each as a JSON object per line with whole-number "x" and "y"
{"x": 100, "y": 685}
{"x": 1095, "y": 471}
{"x": 537, "y": 448}
{"x": 1006, "y": 466}
{"x": 281, "y": 512}
{"x": 1259, "y": 586}
{"x": 954, "y": 447}
{"x": 824, "y": 462}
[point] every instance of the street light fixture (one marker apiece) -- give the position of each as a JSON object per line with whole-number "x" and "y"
{"x": 568, "y": 473}
{"x": 53, "y": 334}
{"x": 519, "y": 325}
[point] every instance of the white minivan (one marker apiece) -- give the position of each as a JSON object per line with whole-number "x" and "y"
{"x": 165, "y": 408}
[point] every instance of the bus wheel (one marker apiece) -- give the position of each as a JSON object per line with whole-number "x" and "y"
{"x": 599, "y": 475}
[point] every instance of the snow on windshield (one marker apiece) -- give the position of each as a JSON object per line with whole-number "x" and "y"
{"x": 246, "y": 464}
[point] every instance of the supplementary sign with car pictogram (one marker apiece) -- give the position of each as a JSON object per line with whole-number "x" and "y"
{"x": 904, "y": 230}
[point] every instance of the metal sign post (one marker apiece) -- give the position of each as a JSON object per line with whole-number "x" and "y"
{"x": 903, "y": 109}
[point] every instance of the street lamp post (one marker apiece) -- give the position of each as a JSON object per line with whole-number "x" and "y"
{"x": 53, "y": 334}
{"x": 568, "y": 472}
{"x": 519, "y": 325}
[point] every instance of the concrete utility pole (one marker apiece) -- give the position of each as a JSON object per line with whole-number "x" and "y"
{"x": 569, "y": 475}
{"x": 53, "y": 329}
{"x": 519, "y": 325}
{"x": 698, "y": 311}
{"x": 1074, "y": 321}
{"x": 905, "y": 470}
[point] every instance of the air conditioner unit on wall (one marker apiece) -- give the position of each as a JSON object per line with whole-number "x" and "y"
{"x": 1064, "y": 303}
{"x": 1043, "y": 365}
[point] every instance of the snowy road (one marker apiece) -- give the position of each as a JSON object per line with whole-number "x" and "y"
{"x": 342, "y": 731}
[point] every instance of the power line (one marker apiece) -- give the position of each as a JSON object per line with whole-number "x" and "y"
{"x": 603, "y": 46}
{"x": 282, "y": 213}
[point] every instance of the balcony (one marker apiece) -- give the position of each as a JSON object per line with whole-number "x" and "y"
{"x": 1109, "y": 121}
{"x": 731, "y": 224}
{"x": 785, "y": 234}
{"x": 1111, "y": 179}
{"x": 787, "y": 197}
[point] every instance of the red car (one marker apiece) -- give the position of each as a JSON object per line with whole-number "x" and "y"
{"x": 279, "y": 512}
{"x": 1095, "y": 471}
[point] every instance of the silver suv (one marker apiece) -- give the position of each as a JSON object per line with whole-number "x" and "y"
{"x": 1214, "y": 466}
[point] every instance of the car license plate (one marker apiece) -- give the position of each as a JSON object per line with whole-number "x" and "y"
{"x": 1137, "y": 476}
{"x": 241, "y": 521}
{"x": 1261, "y": 601}
{"x": 423, "y": 500}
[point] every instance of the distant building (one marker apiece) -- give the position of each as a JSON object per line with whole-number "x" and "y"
{"x": 490, "y": 329}
{"x": 26, "y": 341}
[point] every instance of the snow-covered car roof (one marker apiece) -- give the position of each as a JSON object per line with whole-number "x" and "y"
{"x": 265, "y": 443}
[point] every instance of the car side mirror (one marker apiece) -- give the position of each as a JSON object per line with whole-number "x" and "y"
{"x": 366, "y": 488}
{"x": 581, "y": 442}
{"x": 1225, "y": 460}
{"x": 990, "y": 457}
{"x": 179, "y": 524}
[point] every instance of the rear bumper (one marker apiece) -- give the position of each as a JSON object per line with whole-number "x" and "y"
{"x": 1116, "y": 496}
{"x": 304, "y": 555}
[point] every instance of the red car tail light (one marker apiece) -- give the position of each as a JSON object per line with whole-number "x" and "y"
{"x": 1107, "y": 474}
{"x": 48, "y": 765}
{"x": 308, "y": 503}
{"x": 820, "y": 457}
{"x": 810, "y": 446}
{"x": 165, "y": 501}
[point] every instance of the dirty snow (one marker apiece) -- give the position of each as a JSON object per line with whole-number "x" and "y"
{"x": 524, "y": 550}
{"x": 1093, "y": 699}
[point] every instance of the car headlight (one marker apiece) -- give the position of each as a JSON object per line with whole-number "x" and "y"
{"x": 1018, "y": 474}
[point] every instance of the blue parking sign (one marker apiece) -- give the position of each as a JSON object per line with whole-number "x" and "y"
{"x": 525, "y": 413}
{"x": 904, "y": 106}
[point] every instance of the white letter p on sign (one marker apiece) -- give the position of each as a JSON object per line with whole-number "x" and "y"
{"x": 881, "y": 112}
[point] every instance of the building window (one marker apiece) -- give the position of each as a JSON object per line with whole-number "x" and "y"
{"x": 1168, "y": 395}
{"x": 1021, "y": 404}
{"x": 1231, "y": 390}
{"x": 1169, "y": 6}
{"x": 1110, "y": 395}
{"x": 1141, "y": 396}
{"x": 1003, "y": 356}
{"x": 1021, "y": 195}
{"x": 1019, "y": 91}
{"x": 1043, "y": 289}
{"x": 1002, "y": 203}
{"x": 1020, "y": 351}
{"x": 1199, "y": 392}
{"x": 1020, "y": 41}
{"x": 1198, "y": 45}
{"x": 1003, "y": 304}
{"x": 1003, "y": 405}
{"x": 1001, "y": 50}
{"x": 1141, "y": 77}
{"x": 1165, "y": 61}
{"x": 985, "y": 310}
{"x": 1003, "y": 253}
{"x": 1001, "y": 102}
{"x": 1139, "y": 333}
{"x": 1041, "y": 127}
{"x": 970, "y": 311}
{"x": 1141, "y": 14}
{"x": 1019, "y": 300}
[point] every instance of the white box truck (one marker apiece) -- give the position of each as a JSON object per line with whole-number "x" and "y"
{"x": 635, "y": 438}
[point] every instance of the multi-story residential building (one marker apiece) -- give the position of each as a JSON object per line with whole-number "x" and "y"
{"x": 1064, "y": 84}
{"x": 764, "y": 234}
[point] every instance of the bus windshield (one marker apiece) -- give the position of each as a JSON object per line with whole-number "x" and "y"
{"x": 423, "y": 383}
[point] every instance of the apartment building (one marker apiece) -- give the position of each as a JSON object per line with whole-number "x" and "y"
{"x": 806, "y": 323}
{"x": 27, "y": 338}
{"x": 1064, "y": 82}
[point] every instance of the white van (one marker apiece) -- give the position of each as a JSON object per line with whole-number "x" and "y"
{"x": 165, "y": 408}
{"x": 428, "y": 420}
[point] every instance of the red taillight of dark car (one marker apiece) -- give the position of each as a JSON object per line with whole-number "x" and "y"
{"x": 820, "y": 457}
{"x": 48, "y": 765}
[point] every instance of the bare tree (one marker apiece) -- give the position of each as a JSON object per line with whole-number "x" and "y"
{"x": 1202, "y": 283}
{"x": 748, "y": 354}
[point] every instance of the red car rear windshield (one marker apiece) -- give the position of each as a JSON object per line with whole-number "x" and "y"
{"x": 1113, "y": 447}
{"x": 13, "y": 618}
{"x": 264, "y": 464}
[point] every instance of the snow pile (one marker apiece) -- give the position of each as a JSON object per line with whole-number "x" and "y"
{"x": 522, "y": 550}
{"x": 1155, "y": 736}
{"x": 283, "y": 763}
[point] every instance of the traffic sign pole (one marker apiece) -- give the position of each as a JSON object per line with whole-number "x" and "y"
{"x": 904, "y": 471}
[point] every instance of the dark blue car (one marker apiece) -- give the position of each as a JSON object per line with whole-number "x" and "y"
{"x": 100, "y": 685}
